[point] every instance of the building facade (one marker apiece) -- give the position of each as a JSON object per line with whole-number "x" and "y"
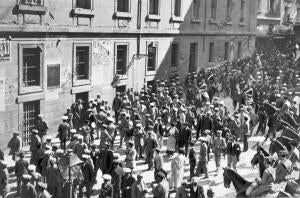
{"x": 56, "y": 51}
{"x": 276, "y": 17}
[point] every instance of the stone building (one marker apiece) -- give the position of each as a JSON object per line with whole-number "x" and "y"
{"x": 53, "y": 52}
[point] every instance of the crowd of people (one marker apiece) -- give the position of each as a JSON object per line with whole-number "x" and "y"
{"x": 193, "y": 119}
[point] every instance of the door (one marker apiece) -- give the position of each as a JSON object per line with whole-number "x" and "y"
{"x": 30, "y": 111}
{"x": 121, "y": 89}
{"x": 84, "y": 97}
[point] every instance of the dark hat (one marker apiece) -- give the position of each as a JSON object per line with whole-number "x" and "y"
{"x": 161, "y": 175}
{"x": 283, "y": 152}
{"x": 210, "y": 192}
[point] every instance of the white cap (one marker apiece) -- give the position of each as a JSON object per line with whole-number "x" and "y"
{"x": 64, "y": 117}
{"x": 106, "y": 177}
{"x": 31, "y": 167}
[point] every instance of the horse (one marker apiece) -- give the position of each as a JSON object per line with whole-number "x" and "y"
{"x": 258, "y": 158}
{"x": 290, "y": 133}
{"x": 276, "y": 146}
{"x": 241, "y": 185}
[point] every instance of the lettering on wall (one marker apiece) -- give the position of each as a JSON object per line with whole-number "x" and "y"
{"x": 4, "y": 50}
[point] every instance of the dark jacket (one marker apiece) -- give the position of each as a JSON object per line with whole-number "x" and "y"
{"x": 199, "y": 192}
{"x": 88, "y": 173}
{"x": 233, "y": 149}
{"x": 21, "y": 168}
{"x": 192, "y": 156}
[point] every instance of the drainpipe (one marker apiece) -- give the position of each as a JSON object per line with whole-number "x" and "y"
{"x": 139, "y": 24}
{"x": 205, "y": 12}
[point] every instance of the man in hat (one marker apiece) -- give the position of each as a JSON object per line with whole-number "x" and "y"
{"x": 185, "y": 137}
{"x": 139, "y": 188}
{"x": 105, "y": 137}
{"x": 196, "y": 190}
{"x": 35, "y": 176}
{"x": 158, "y": 163}
{"x": 106, "y": 159}
{"x": 177, "y": 169}
{"x": 35, "y": 141}
{"x": 233, "y": 152}
{"x": 42, "y": 192}
{"x": 139, "y": 135}
{"x": 158, "y": 128}
{"x": 130, "y": 155}
{"x": 88, "y": 177}
{"x": 77, "y": 110}
{"x": 107, "y": 189}
{"x": 27, "y": 189}
{"x": 161, "y": 190}
{"x": 205, "y": 124}
{"x": 245, "y": 130}
{"x": 182, "y": 192}
{"x": 219, "y": 144}
{"x": 15, "y": 145}
{"x": 80, "y": 146}
{"x": 126, "y": 183}
{"x": 192, "y": 159}
{"x": 63, "y": 131}
{"x": 149, "y": 146}
{"x": 284, "y": 167}
{"x": 53, "y": 179}
{"x": 41, "y": 126}
{"x": 4, "y": 177}
{"x": 70, "y": 116}
{"x": 123, "y": 126}
{"x": 203, "y": 159}
{"x": 21, "y": 168}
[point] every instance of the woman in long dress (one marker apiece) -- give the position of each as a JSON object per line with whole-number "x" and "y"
{"x": 171, "y": 143}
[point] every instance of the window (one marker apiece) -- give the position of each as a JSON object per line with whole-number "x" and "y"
{"x": 152, "y": 54}
{"x": 196, "y": 9}
{"x": 31, "y": 67}
{"x": 239, "y": 52}
{"x": 259, "y": 5}
{"x": 211, "y": 52}
{"x": 32, "y": 2}
{"x": 154, "y": 7}
{"x": 123, "y": 6}
{"x": 226, "y": 51}
{"x": 174, "y": 55}
{"x": 229, "y": 10}
{"x": 213, "y": 10}
{"x": 121, "y": 59}
{"x": 84, "y": 4}
{"x": 298, "y": 14}
{"x": 272, "y": 6}
{"x": 82, "y": 69}
{"x": 53, "y": 75}
{"x": 177, "y": 8}
{"x": 193, "y": 56}
{"x": 242, "y": 14}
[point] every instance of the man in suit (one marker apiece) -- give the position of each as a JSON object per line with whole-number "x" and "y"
{"x": 233, "y": 152}
{"x": 106, "y": 159}
{"x": 186, "y": 137}
{"x": 21, "y": 168}
{"x": 63, "y": 131}
{"x": 88, "y": 177}
{"x": 106, "y": 188}
{"x": 158, "y": 163}
{"x": 150, "y": 145}
{"x": 139, "y": 188}
{"x": 192, "y": 159}
{"x": 196, "y": 190}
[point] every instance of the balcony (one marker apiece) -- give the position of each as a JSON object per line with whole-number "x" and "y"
{"x": 31, "y": 7}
